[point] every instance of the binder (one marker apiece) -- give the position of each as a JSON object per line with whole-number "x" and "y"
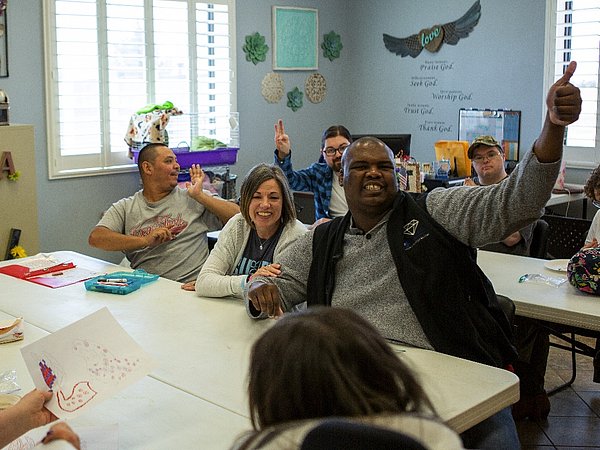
{"x": 54, "y": 276}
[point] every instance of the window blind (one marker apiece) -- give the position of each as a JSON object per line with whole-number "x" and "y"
{"x": 108, "y": 58}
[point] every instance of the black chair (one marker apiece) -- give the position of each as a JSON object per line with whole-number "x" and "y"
{"x": 340, "y": 434}
{"x": 305, "y": 206}
{"x": 539, "y": 240}
{"x": 566, "y": 235}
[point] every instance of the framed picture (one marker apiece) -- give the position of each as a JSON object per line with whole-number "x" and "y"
{"x": 3, "y": 45}
{"x": 295, "y": 38}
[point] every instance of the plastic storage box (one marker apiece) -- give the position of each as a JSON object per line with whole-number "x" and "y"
{"x": 217, "y": 157}
{"x": 120, "y": 282}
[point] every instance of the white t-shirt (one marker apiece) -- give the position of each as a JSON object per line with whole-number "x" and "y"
{"x": 337, "y": 205}
{"x": 594, "y": 229}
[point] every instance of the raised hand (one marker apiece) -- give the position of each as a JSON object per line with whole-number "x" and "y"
{"x": 564, "y": 99}
{"x": 282, "y": 140}
{"x": 194, "y": 186}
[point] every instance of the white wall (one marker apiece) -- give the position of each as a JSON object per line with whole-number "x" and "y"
{"x": 501, "y": 64}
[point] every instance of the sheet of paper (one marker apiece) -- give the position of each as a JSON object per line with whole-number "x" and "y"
{"x": 37, "y": 262}
{"x": 65, "y": 278}
{"x": 85, "y": 363}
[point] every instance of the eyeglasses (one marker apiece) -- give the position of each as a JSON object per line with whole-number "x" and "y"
{"x": 330, "y": 151}
{"x": 480, "y": 158}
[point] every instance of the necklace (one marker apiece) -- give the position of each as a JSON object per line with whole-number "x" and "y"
{"x": 264, "y": 243}
{"x": 261, "y": 243}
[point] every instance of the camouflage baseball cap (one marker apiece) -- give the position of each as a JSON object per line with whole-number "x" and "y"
{"x": 488, "y": 141}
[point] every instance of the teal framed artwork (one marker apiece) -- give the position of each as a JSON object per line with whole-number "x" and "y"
{"x": 295, "y": 38}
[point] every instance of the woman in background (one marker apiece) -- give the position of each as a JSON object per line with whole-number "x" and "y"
{"x": 592, "y": 191}
{"x": 252, "y": 240}
{"x": 324, "y": 362}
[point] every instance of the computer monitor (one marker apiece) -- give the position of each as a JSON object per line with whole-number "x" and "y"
{"x": 396, "y": 142}
{"x": 503, "y": 124}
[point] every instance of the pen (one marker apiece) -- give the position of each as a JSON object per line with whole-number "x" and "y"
{"x": 114, "y": 280}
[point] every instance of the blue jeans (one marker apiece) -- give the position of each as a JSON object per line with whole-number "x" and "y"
{"x": 497, "y": 432}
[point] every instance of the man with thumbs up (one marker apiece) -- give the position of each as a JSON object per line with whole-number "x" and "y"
{"x": 388, "y": 258}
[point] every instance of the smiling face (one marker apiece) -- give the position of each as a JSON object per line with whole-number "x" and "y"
{"x": 338, "y": 143}
{"x": 369, "y": 178}
{"x": 265, "y": 208}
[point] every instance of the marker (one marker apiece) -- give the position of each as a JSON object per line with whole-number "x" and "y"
{"x": 113, "y": 280}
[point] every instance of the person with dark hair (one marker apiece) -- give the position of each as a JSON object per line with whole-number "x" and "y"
{"x": 592, "y": 191}
{"x": 325, "y": 362}
{"x": 162, "y": 228}
{"x": 29, "y": 413}
{"x": 251, "y": 241}
{"x": 407, "y": 262}
{"x": 320, "y": 178}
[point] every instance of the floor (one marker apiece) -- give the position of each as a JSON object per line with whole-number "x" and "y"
{"x": 574, "y": 420}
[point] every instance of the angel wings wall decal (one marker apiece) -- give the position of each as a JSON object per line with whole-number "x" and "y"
{"x": 432, "y": 38}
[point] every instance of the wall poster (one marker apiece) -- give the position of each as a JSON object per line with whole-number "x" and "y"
{"x": 295, "y": 38}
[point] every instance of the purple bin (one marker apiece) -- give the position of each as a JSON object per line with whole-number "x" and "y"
{"x": 217, "y": 157}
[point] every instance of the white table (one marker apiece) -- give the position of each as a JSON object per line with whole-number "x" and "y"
{"x": 150, "y": 414}
{"x": 559, "y": 199}
{"x": 564, "y": 304}
{"x": 203, "y": 345}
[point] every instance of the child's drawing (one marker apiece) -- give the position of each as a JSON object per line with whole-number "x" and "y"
{"x": 96, "y": 359}
{"x": 81, "y": 394}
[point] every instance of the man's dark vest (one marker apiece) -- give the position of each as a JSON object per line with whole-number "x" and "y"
{"x": 451, "y": 297}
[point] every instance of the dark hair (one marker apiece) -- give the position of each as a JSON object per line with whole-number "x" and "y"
{"x": 593, "y": 182}
{"x": 257, "y": 176}
{"x": 148, "y": 153}
{"x": 333, "y": 131}
{"x": 325, "y": 362}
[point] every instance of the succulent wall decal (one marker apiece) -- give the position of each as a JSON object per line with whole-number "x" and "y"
{"x": 331, "y": 45}
{"x": 255, "y": 48}
{"x": 295, "y": 99}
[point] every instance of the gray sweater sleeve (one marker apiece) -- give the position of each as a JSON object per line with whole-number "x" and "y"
{"x": 295, "y": 263}
{"x": 480, "y": 215}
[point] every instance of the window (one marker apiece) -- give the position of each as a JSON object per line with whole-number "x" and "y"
{"x": 105, "y": 59}
{"x": 573, "y": 30}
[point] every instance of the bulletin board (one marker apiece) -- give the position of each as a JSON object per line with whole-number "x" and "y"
{"x": 502, "y": 124}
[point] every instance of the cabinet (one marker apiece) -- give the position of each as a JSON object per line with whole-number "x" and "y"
{"x": 18, "y": 199}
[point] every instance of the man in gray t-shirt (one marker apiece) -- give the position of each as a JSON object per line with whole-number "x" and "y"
{"x": 162, "y": 228}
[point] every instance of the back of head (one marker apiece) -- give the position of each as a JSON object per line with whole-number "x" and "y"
{"x": 257, "y": 176}
{"x": 327, "y": 362}
{"x": 592, "y": 184}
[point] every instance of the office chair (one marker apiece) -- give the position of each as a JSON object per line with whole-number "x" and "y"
{"x": 340, "y": 434}
{"x": 566, "y": 236}
{"x": 305, "y": 206}
{"x": 539, "y": 240}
